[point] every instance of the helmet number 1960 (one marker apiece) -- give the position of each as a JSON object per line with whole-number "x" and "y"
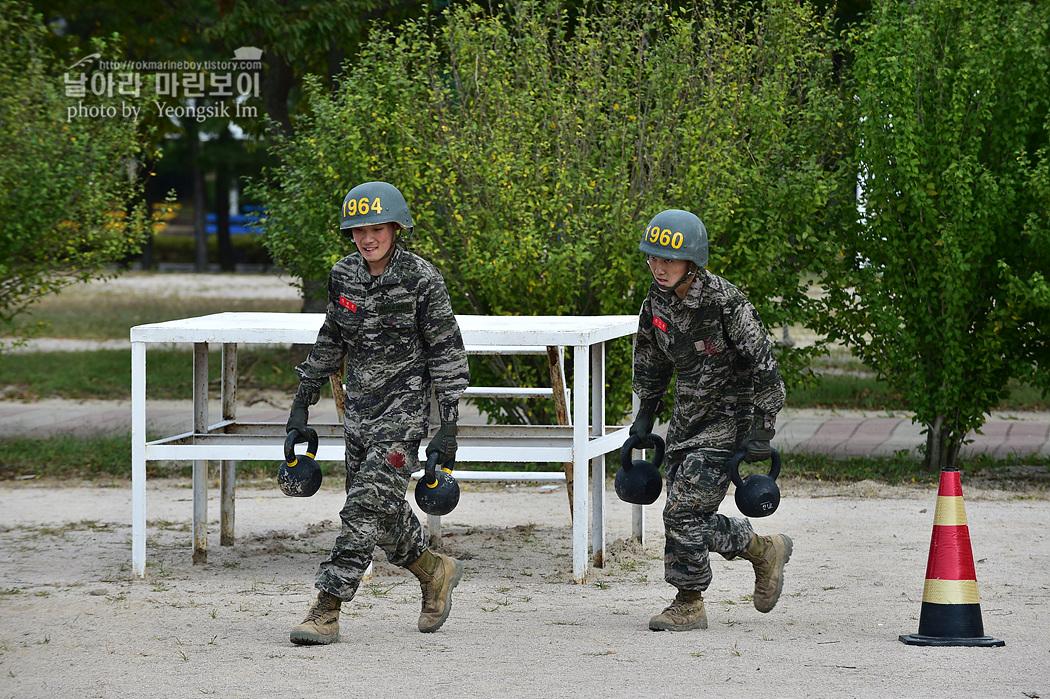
{"x": 664, "y": 237}
{"x": 360, "y": 207}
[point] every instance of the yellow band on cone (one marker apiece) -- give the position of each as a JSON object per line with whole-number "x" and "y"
{"x": 950, "y": 592}
{"x": 951, "y": 512}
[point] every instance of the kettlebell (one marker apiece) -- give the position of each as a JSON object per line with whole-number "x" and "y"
{"x": 639, "y": 482}
{"x": 437, "y": 492}
{"x": 299, "y": 477}
{"x": 758, "y": 495}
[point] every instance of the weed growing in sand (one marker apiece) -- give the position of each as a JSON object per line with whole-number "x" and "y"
{"x": 380, "y": 590}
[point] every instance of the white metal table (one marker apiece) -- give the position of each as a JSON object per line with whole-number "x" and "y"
{"x": 586, "y": 439}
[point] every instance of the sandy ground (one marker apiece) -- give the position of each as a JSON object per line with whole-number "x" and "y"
{"x": 73, "y": 622}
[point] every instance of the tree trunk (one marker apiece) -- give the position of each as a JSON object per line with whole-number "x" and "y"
{"x": 222, "y": 205}
{"x": 942, "y": 445}
{"x": 200, "y": 230}
{"x": 276, "y": 86}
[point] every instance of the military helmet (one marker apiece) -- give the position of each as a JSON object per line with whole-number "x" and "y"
{"x": 674, "y": 234}
{"x": 373, "y": 203}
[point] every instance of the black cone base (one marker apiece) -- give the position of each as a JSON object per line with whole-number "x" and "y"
{"x": 917, "y": 639}
{"x": 950, "y": 625}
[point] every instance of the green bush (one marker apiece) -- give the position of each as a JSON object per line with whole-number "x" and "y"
{"x": 534, "y": 148}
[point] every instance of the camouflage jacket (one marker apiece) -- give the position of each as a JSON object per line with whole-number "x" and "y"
{"x": 715, "y": 341}
{"x": 398, "y": 337}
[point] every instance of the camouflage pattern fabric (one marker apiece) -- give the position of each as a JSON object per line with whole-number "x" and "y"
{"x": 398, "y": 336}
{"x": 714, "y": 344}
{"x": 697, "y": 482}
{"x": 376, "y": 513}
{"x": 715, "y": 341}
{"x": 399, "y": 340}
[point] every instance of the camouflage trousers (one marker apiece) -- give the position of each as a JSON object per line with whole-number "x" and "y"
{"x": 697, "y": 482}
{"x": 375, "y": 514}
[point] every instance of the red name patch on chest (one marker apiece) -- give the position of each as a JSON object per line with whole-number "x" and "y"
{"x": 348, "y": 304}
{"x": 660, "y": 324}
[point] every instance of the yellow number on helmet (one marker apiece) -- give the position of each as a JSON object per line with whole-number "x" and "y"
{"x": 351, "y": 208}
{"x": 377, "y": 206}
{"x": 665, "y": 237}
{"x": 362, "y": 206}
{"x": 676, "y": 240}
{"x": 654, "y": 233}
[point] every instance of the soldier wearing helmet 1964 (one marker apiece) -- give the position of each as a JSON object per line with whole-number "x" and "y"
{"x": 390, "y": 320}
{"x": 727, "y": 393}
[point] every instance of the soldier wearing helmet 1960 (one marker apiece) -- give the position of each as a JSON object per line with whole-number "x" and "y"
{"x": 727, "y": 393}
{"x": 389, "y": 319}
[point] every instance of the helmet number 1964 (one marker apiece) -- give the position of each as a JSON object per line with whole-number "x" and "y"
{"x": 360, "y": 207}
{"x": 664, "y": 237}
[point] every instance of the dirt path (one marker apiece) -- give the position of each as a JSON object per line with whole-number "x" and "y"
{"x": 74, "y": 624}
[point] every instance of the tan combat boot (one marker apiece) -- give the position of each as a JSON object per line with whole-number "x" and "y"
{"x": 768, "y": 554}
{"x": 685, "y": 613}
{"x": 321, "y": 625}
{"x": 438, "y": 575}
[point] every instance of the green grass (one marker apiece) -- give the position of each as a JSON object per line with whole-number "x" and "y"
{"x": 108, "y": 456}
{"x": 853, "y": 392}
{"x": 104, "y": 316}
{"x": 106, "y": 374}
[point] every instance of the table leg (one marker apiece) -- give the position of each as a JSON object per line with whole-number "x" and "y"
{"x": 200, "y": 467}
{"x": 637, "y": 511}
{"x": 581, "y": 420}
{"x": 228, "y": 468}
{"x": 138, "y": 459}
{"x": 597, "y": 422}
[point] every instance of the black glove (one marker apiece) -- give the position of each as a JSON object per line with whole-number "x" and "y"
{"x": 300, "y": 412}
{"x": 444, "y": 443}
{"x": 645, "y": 419}
{"x": 757, "y": 441}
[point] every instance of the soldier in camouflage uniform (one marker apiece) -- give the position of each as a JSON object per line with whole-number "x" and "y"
{"x": 390, "y": 320}
{"x": 728, "y": 390}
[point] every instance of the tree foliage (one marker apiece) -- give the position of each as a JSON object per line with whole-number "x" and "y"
{"x": 66, "y": 182}
{"x": 533, "y": 149}
{"x": 944, "y": 291}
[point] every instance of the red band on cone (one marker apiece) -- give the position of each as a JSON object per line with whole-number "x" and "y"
{"x": 951, "y": 484}
{"x": 951, "y": 556}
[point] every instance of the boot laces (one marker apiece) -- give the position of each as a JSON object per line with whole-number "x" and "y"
{"x": 318, "y": 610}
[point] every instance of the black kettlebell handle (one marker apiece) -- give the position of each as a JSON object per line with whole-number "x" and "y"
{"x": 734, "y": 466}
{"x": 636, "y": 442}
{"x": 430, "y": 470}
{"x": 295, "y": 437}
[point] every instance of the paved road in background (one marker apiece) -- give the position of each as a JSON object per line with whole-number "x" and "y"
{"x": 840, "y": 434}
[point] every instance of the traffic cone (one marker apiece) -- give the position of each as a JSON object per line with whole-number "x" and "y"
{"x": 951, "y": 610}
